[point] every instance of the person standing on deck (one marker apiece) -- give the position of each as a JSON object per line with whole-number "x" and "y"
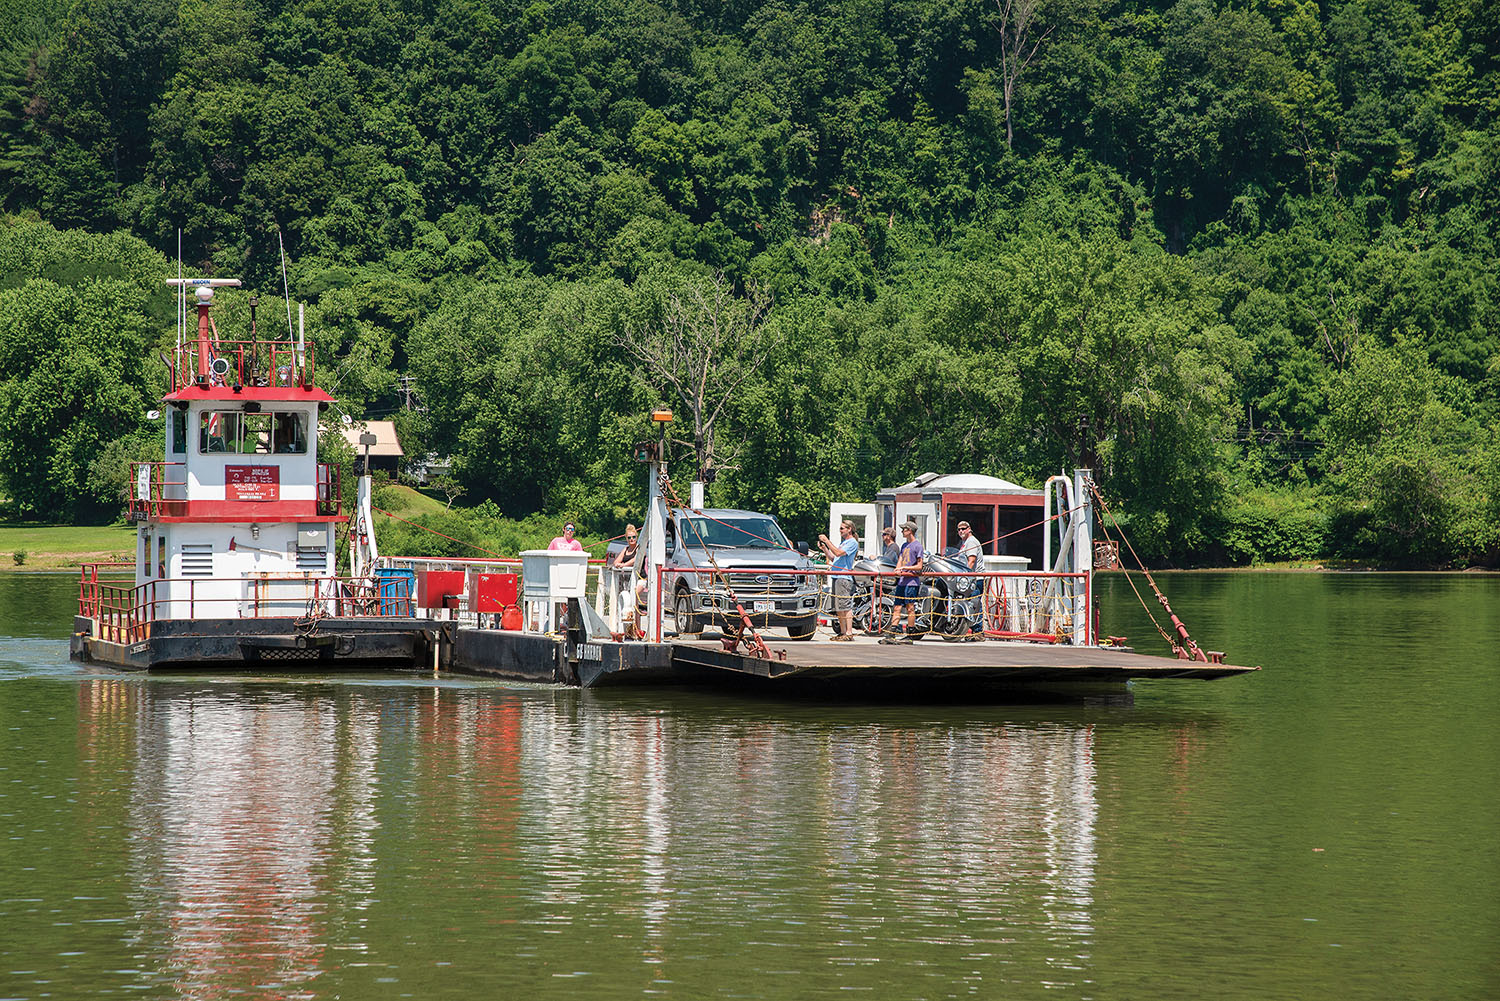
{"x": 622, "y": 565}
{"x": 969, "y": 550}
{"x": 972, "y": 553}
{"x": 564, "y": 543}
{"x": 890, "y": 552}
{"x": 841, "y": 559}
{"x": 908, "y": 565}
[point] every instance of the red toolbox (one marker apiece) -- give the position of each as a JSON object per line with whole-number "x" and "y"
{"x": 492, "y": 592}
{"x": 439, "y": 588}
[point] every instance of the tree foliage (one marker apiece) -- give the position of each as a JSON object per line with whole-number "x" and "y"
{"x": 1207, "y": 248}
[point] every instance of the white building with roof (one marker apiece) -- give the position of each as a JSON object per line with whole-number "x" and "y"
{"x": 1005, "y": 517}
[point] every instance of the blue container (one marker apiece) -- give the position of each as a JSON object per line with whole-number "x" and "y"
{"x": 397, "y": 586}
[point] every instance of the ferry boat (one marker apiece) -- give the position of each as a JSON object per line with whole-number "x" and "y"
{"x": 235, "y": 568}
{"x": 236, "y": 529}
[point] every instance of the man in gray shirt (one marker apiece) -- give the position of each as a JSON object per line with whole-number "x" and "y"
{"x": 969, "y": 549}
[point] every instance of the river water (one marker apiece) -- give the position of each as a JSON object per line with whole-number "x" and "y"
{"x": 1328, "y": 828}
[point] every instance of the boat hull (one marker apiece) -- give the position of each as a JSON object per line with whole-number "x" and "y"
{"x": 261, "y": 644}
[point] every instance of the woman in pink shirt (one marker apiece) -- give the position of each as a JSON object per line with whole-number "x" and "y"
{"x": 566, "y": 540}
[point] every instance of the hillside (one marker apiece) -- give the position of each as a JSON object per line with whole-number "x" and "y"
{"x": 1241, "y": 260}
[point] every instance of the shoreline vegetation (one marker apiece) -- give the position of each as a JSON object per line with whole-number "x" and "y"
{"x": 1241, "y": 261}
{"x": 48, "y": 550}
{"x": 63, "y": 548}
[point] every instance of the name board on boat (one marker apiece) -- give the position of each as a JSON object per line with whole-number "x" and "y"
{"x": 252, "y": 483}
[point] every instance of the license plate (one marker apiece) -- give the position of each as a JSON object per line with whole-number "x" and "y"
{"x": 764, "y": 606}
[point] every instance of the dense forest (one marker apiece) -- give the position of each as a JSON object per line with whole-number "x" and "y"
{"x": 1240, "y": 258}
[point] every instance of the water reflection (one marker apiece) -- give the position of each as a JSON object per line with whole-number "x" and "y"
{"x": 272, "y": 824}
{"x": 250, "y": 817}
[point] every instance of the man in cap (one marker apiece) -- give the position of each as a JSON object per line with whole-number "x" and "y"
{"x": 841, "y": 560}
{"x": 908, "y": 565}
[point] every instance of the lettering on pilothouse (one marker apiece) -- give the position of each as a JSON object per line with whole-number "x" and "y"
{"x": 252, "y": 483}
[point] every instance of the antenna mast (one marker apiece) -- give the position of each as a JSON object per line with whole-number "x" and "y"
{"x": 181, "y": 303}
{"x": 286, "y": 295}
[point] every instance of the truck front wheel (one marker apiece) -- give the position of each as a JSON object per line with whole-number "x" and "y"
{"x": 687, "y": 623}
{"x": 803, "y": 628}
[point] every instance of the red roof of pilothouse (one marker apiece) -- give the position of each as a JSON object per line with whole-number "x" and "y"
{"x": 262, "y": 394}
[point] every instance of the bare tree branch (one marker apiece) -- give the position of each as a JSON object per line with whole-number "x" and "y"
{"x": 1017, "y": 19}
{"x": 707, "y": 345}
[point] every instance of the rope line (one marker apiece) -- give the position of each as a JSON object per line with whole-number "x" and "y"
{"x": 1188, "y": 649}
{"x": 440, "y": 535}
{"x": 1131, "y": 581}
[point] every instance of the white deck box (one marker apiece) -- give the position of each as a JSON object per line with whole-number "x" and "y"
{"x": 553, "y": 574}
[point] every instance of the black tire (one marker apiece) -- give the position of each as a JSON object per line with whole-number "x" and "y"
{"x": 932, "y": 608}
{"x": 803, "y": 629}
{"x": 875, "y": 620}
{"x": 688, "y": 624}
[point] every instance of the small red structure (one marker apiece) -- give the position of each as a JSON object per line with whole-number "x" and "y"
{"x": 439, "y": 588}
{"x": 493, "y": 592}
{"x": 1006, "y": 517}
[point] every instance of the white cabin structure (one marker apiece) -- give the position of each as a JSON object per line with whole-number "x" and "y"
{"x": 240, "y": 518}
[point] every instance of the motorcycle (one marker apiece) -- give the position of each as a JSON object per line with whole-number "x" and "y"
{"x": 951, "y": 607}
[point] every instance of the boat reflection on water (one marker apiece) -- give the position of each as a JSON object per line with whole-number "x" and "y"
{"x": 251, "y": 815}
{"x": 282, "y": 832}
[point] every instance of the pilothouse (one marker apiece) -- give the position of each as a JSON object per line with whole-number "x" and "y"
{"x": 241, "y": 501}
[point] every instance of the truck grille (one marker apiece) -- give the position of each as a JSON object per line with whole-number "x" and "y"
{"x": 745, "y": 584}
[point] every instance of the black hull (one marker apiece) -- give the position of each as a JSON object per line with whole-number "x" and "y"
{"x": 263, "y": 644}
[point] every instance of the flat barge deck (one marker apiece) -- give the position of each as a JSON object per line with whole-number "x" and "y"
{"x": 857, "y": 666}
{"x": 575, "y": 659}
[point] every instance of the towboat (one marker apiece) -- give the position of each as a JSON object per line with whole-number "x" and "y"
{"x": 235, "y": 530}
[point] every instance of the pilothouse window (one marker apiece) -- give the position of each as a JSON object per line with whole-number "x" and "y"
{"x": 281, "y": 432}
{"x": 179, "y": 431}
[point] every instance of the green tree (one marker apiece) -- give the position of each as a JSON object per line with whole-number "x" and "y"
{"x": 73, "y": 378}
{"x": 1403, "y": 449}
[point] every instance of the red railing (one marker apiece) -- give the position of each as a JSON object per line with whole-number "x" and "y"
{"x": 106, "y": 595}
{"x": 151, "y": 491}
{"x": 1023, "y": 605}
{"x": 330, "y": 501}
{"x": 244, "y": 363}
{"x": 96, "y": 575}
{"x": 124, "y": 612}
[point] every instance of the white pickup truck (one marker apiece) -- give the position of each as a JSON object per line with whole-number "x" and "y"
{"x": 756, "y": 563}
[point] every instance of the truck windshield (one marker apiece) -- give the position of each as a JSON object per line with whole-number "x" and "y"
{"x": 733, "y": 533}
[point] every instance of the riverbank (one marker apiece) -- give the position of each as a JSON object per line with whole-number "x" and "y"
{"x": 65, "y": 547}
{"x": 30, "y": 546}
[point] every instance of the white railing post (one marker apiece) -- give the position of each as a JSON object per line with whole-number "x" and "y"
{"x": 1083, "y": 557}
{"x": 603, "y": 576}
{"x": 656, "y": 547}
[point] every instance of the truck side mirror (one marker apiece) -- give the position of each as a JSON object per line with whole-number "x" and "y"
{"x": 803, "y": 548}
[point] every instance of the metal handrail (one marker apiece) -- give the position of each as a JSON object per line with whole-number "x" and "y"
{"x": 327, "y": 494}
{"x": 1045, "y": 609}
{"x": 156, "y": 503}
{"x": 285, "y": 366}
{"x": 1037, "y": 605}
{"x": 125, "y": 612}
{"x": 329, "y": 497}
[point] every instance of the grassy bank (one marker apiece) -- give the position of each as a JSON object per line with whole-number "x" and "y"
{"x": 62, "y": 547}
